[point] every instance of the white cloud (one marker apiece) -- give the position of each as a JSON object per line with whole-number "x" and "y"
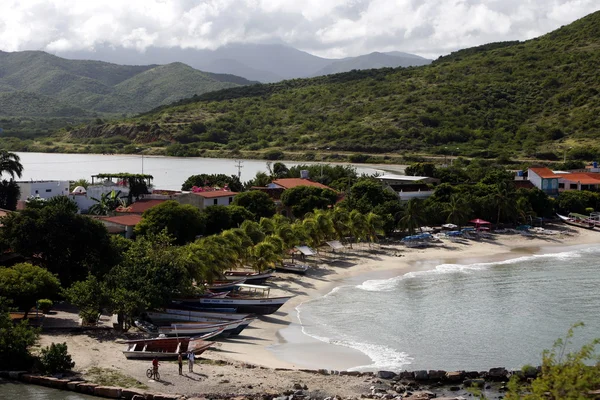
{"x": 323, "y": 27}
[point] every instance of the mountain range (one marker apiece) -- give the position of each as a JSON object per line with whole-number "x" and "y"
{"x": 38, "y": 84}
{"x": 257, "y": 62}
{"x": 535, "y": 98}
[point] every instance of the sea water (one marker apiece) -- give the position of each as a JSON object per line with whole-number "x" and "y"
{"x": 464, "y": 316}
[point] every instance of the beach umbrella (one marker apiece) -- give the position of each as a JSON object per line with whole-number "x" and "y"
{"x": 478, "y": 222}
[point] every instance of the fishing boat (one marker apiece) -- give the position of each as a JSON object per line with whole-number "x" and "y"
{"x": 193, "y": 316}
{"x": 576, "y": 221}
{"x": 215, "y": 294}
{"x": 253, "y": 278}
{"x": 249, "y": 305}
{"x": 208, "y": 314}
{"x": 197, "y": 328}
{"x": 294, "y": 268}
{"x": 164, "y": 348}
{"x": 224, "y": 286}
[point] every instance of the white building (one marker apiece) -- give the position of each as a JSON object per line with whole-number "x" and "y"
{"x": 409, "y": 187}
{"x": 85, "y": 197}
{"x": 202, "y": 200}
{"x": 43, "y": 189}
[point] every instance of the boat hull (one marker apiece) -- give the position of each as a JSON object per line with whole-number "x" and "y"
{"x": 206, "y": 314}
{"x": 251, "y": 278}
{"x": 164, "y": 348}
{"x": 246, "y": 305}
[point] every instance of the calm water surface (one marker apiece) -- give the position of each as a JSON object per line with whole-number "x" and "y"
{"x": 10, "y": 390}
{"x": 169, "y": 172}
{"x": 472, "y": 317}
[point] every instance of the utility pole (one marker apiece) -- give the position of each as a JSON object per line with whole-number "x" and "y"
{"x": 142, "y": 163}
{"x": 239, "y": 167}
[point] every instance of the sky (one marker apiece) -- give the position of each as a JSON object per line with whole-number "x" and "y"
{"x": 328, "y": 28}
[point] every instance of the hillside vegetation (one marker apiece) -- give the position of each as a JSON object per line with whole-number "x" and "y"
{"x": 532, "y": 98}
{"x": 33, "y": 81}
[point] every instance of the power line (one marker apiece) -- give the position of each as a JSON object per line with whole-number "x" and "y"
{"x": 239, "y": 167}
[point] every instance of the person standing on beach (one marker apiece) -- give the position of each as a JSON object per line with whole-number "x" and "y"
{"x": 191, "y": 358}
{"x": 180, "y": 361}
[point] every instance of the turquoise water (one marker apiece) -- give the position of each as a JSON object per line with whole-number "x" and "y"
{"x": 472, "y": 316}
{"x": 10, "y": 390}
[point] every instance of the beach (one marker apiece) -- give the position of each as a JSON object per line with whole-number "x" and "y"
{"x": 268, "y": 356}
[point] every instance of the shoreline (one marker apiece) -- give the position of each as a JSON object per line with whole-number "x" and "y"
{"x": 272, "y": 354}
{"x": 289, "y": 347}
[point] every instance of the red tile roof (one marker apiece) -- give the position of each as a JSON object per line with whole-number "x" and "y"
{"x": 544, "y": 172}
{"x": 288, "y": 183}
{"x": 585, "y": 178}
{"x": 125, "y": 220}
{"x": 216, "y": 193}
{"x": 140, "y": 206}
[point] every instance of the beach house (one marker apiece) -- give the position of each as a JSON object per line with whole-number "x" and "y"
{"x": 207, "y": 198}
{"x": 554, "y": 182}
{"x": 409, "y": 187}
{"x": 43, "y": 189}
{"x": 544, "y": 179}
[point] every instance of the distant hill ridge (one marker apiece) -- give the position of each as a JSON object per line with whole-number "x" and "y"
{"x": 89, "y": 87}
{"x": 534, "y": 98}
{"x": 257, "y": 62}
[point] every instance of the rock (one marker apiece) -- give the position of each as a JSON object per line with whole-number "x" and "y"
{"x": 60, "y": 384}
{"x": 386, "y": 374}
{"x": 224, "y": 381}
{"x": 406, "y": 375}
{"x": 323, "y": 372}
{"x": 530, "y": 372}
{"x": 87, "y": 388}
{"x": 328, "y": 398}
{"x": 73, "y": 385}
{"x": 421, "y": 375}
{"x": 162, "y": 396}
{"x": 474, "y": 383}
{"x": 112, "y": 392}
{"x": 129, "y": 394}
{"x": 455, "y": 376}
{"x": 498, "y": 374}
{"x": 350, "y": 373}
{"x": 139, "y": 397}
{"x": 304, "y": 387}
{"x": 454, "y": 388}
{"x": 16, "y": 374}
{"x": 298, "y": 393}
{"x": 425, "y": 395}
{"x": 388, "y": 396}
{"x": 297, "y": 386}
{"x": 436, "y": 375}
{"x": 46, "y": 381}
{"x": 472, "y": 374}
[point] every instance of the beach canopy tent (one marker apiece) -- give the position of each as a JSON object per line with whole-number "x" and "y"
{"x": 478, "y": 222}
{"x": 305, "y": 250}
{"x": 335, "y": 245}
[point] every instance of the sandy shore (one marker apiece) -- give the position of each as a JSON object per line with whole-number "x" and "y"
{"x": 276, "y": 341}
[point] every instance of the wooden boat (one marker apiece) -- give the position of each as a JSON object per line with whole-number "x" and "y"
{"x": 210, "y": 294}
{"x": 164, "y": 348}
{"x": 208, "y": 314}
{"x": 252, "y": 278}
{"x": 224, "y": 286}
{"x": 580, "y": 223}
{"x": 191, "y": 316}
{"x": 294, "y": 268}
{"x": 250, "y": 305}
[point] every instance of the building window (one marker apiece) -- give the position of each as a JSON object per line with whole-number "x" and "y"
{"x": 230, "y": 200}
{"x": 561, "y": 185}
{"x": 36, "y": 192}
{"x": 573, "y": 186}
{"x": 216, "y": 201}
{"x": 48, "y": 190}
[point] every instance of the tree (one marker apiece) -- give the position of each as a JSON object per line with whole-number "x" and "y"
{"x": 25, "y": 284}
{"x": 55, "y": 358}
{"x": 182, "y": 222}
{"x": 66, "y": 244}
{"x": 213, "y": 180}
{"x": 413, "y": 216}
{"x": 15, "y": 340}
{"x": 421, "y": 169}
{"x": 152, "y": 272}
{"x": 305, "y": 199}
{"x": 503, "y": 200}
{"x": 564, "y": 375}
{"x": 10, "y": 163}
{"x": 107, "y": 203}
{"x": 374, "y": 226}
{"x": 367, "y": 194}
{"x": 62, "y": 202}
{"x": 358, "y": 225}
{"x": 89, "y": 296}
{"x": 216, "y": 219}
{"x": 253, "y": 231}
{"x": 9, "y": 194}
{"x": 237, "y": 215}
{"x": 257, "y": 202}
{"x": 79, "y": 182}
{"x": 263, "y": 256}
{"x": 458, "y": 210}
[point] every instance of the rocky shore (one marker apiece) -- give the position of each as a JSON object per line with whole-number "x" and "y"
{"x": 384, "y": 385}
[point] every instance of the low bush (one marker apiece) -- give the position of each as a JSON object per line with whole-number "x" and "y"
{"x": 55, "y": 359}
{"x": 45, "y": 305}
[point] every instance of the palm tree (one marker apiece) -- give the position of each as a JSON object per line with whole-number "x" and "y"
{"x": 288, "y": 235}
{"x": 253, "y": 230}
{"x": 458, "y": 210}
{"x": 10, "y": 163}
{"x": 374, "y": 226}
{"x": 267, "y": 225}
{"x": 503, "y": 200}
{"x": 264, "y": 256}
{"x": 340, "y": 220}
{"x": 524, "y": 211}
{"x": 240, "y": 244}
{"x": 358, "y": 225}
{"x": 413, "y": 215}
{"x": 107, "y": 203}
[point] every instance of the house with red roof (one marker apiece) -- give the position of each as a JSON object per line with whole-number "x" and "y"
{"x": 207, "y": 198}
{"x": 544, "y": 179}
{"x": 121, "y": 224}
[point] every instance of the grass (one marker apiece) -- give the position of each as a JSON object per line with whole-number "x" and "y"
{"x": 109, "y": 377}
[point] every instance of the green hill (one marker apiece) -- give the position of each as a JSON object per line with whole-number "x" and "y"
{"x": 97, "y": 87}
{"x": 528, "y": 98}
{"x": 15, "y": 104}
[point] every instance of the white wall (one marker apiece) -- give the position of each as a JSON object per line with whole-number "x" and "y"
{"x": 85, "y": 201}
{"x": 45, "y": 189}
{"x": 534, "y": 179}
{"x": 221, "y": 201}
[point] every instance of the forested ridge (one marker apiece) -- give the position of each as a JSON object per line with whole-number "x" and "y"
{"x": 532, "y": 98}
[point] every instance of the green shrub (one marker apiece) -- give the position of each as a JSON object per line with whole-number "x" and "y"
{"x": 45, "y": 305}
{"x": 274, "y": 155}
{"x": 55, "y": 358}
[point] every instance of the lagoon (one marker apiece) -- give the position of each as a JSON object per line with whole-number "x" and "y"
{"x": 169, "y": 172}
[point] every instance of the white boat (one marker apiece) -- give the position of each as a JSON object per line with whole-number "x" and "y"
{"x": 167, "y": 348}
{"x": 199, "y": 328}
{"x": 295, "y": 268}
{"x": 205, "y": 314}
